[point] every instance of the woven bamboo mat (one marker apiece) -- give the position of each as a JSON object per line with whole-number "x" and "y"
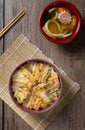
{"x": 22, "y": 49}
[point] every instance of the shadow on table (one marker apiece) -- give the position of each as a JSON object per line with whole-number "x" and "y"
{"x": 78, "y": 44}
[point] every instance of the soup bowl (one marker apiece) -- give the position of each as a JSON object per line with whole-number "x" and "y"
{"x": 41, "y": 110}
{"x": 69, "y": 6}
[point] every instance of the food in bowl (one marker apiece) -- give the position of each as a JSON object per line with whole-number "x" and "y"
{"x": 35, "y": 85}
{"x": 50, "y": 22}
{"x": 60, "y": 23}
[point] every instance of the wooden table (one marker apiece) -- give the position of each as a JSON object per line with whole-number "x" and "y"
{"x": 71, "y": 57}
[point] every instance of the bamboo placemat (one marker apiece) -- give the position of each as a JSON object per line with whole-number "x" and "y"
{"x": 22, "y": 49}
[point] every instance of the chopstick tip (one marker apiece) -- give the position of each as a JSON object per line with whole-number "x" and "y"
{"x": 25, "y": 10}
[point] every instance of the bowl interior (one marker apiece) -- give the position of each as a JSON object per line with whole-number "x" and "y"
{"x": 72, "y": 8}
{"x": 26, "y": 109}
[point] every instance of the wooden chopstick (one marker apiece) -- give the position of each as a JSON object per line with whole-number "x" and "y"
{"x": 12, "y": 22}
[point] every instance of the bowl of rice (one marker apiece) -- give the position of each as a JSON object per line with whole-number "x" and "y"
{"x": 35, "y": 86}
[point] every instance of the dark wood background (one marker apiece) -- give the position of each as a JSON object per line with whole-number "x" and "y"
{"x": 71, "y": 57}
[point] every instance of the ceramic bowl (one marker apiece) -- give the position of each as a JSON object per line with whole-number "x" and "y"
{"x": 69, "y": 6}
{"x": 26, "y": 109}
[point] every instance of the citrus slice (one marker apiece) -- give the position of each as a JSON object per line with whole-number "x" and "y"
{"x": 53, "y": 28}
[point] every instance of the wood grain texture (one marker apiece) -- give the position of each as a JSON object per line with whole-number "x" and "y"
{"x": 71, "y": 57}
{"x": 14, "y": 121}
{"x": 1, "y": 51}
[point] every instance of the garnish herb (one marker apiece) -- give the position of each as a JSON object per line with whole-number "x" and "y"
{"x": 48, "y": 91}
{"x": 36, "y": 81}
{"x": 21, "y": 86}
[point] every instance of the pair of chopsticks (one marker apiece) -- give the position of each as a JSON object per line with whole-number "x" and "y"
{"x": 12, "y": 22}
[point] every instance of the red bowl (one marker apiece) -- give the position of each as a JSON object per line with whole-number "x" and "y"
{"x": 26, "y": 109}
{"x": 72, "y": 8}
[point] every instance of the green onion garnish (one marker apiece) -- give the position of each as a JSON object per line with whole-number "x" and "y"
{"x": 21, "y": 86}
